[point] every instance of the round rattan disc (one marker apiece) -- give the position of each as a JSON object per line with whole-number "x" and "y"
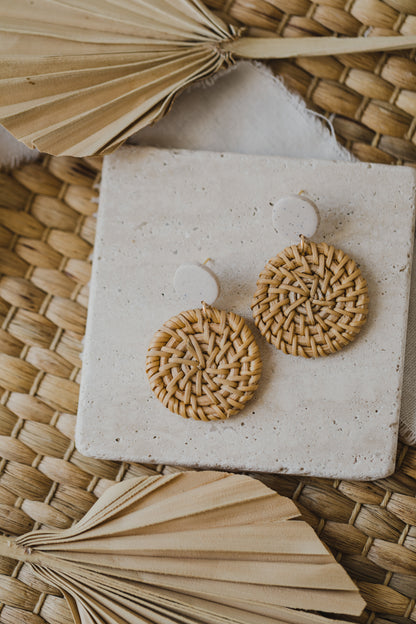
{"x": 204, "y": 364}
{"x": 311, "y": 300}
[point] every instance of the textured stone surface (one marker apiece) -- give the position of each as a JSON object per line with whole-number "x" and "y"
{"x": 334, "y": 417}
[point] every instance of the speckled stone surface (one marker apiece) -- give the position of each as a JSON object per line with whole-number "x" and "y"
{"x": 332, "y": 417}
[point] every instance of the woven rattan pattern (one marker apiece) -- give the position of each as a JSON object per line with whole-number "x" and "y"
{"x": 371, "y": 98}
{"x": 311, "y": 300}
{"x": 46, "y": 238}
{"x": 204, "y": 364}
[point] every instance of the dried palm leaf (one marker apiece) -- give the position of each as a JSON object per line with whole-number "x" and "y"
{"x": 192, "y": 547}
{"x": 78, "y": 77}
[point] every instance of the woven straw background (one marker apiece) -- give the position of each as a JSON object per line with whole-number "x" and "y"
{"x": 46, "y": 238}
{"x": 371, "y": 98}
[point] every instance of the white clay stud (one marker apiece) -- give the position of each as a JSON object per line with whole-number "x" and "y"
{"x": 195, "y": 283}
{"x": 295, "y": 215}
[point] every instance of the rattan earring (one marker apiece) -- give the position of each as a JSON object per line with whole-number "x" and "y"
{"x": 203, "y": 363}
{"x": 311, "y": 299}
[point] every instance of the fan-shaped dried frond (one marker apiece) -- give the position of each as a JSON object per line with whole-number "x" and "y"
{"x": 191, "y": 547}
{"x": 80, "y": 77}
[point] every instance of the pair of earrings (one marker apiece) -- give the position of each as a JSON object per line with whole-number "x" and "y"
{"x": 311, "y": 300}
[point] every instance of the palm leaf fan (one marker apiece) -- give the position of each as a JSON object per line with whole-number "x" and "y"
{"x": 191, "y": 548}
{"x": 78, "y": 77}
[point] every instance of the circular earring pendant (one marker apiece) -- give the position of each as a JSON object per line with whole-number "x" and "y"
{"x": 311, "y": 300}
{"x": 204, "y": 364}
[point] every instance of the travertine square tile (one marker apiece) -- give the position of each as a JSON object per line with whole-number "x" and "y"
{"x": 332, "y": 417}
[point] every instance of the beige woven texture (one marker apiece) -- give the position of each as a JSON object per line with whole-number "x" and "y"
{"x": 311, "y": 300}
{"x": 46, "y": 237}
{"x": 371, "y": 98}
{"x": 204, "y": 364}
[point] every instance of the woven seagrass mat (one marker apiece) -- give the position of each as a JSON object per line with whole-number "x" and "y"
{"x": 46, "y": 238}
{"x": 370, "y": 98}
